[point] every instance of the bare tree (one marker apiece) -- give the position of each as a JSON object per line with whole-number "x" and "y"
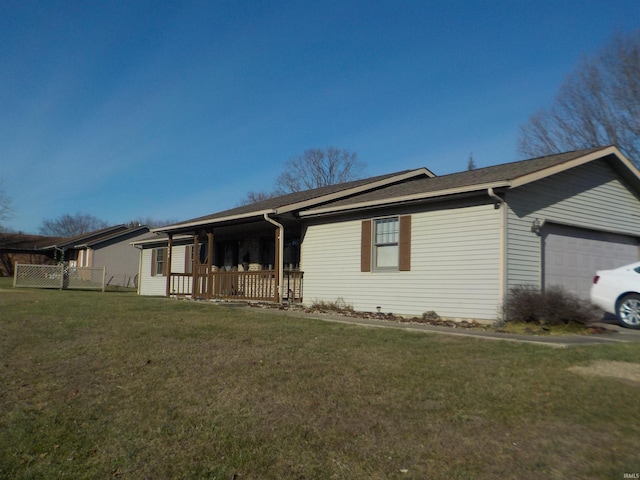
{"x": 313, "y": 169}
{"x": 6, "y": 209}
{"x": 597, "y": 105}
{"x": 71, "y": 225}
{"x": 149, "y": 222}
{"x": 255, "y": 197}
{"x": 319, "y": 168}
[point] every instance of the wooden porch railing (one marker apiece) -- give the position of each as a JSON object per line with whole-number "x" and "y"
{"x": 181, "y": 284}
{"x": 252, "y": 285}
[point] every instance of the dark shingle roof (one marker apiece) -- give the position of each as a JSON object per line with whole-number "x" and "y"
{"x": 482, "y": 176}
{"x": 93, "y": 236}
{"x": 24, "y": 242}
{"x": 391, "y": 186}
{"x": 275, "y": 203}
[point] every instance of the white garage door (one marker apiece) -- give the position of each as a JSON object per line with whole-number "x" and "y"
{"x": 571, "y": 256}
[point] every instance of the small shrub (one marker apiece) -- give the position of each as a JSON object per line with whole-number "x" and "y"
{"x": 431, "y": 316}
{"x": 555, "y": 306}
{"x": 337, "y": 306}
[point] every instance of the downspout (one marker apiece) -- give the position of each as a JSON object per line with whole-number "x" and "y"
{"x": 280, "y": 228}
{"x": 139, "y": 282}
{"x": 495, "y": 196}
{"x": 502, "y": 275}
{"x": 168, "y": 260}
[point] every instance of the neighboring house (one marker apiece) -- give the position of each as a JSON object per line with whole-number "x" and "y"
{"x": 108, "y": 247}
{"x": 23, "y": 248}
{"x": 412, "y": 242}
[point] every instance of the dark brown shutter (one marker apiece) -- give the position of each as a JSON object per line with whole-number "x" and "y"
{"x": 405, "y": 244}
{"x": 153, "y": 262}
{"x": 188, "y": 259}
{"x": 165, "y": 262}
{"x": 365, "y": 247}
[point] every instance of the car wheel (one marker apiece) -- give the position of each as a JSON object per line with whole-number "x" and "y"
{"x": 628, "y": 311}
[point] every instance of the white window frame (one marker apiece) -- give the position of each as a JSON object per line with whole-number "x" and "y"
{"x": 385, "y": 240}
{"x": 159, "y": 261}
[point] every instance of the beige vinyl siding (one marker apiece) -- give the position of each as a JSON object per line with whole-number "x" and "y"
{"x": 157, "y": 285}
{"x": 591, "y": 196}
{"x": 455, "y": 266}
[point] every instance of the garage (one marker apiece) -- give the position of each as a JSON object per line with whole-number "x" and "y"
{"x": 571, "y": 256}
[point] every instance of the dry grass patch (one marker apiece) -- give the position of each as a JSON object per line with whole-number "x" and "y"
{"x": 629, "y": 372}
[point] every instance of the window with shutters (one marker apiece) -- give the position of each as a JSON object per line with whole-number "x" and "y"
{"x": 386, "y": 244}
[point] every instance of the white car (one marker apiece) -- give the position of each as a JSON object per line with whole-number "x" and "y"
{"x": 617, "y": 291}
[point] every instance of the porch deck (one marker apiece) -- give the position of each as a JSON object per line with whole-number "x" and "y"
{"x": 259, "y": 285}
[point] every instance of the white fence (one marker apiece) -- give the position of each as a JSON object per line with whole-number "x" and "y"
{"x": 59, "y": 276}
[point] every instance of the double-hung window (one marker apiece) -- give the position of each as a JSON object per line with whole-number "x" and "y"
{"x": 385, "y": 249}
{"x": 159, "y": 261}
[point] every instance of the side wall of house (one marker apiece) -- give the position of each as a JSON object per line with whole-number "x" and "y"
{"x": 455, "y": 264}
{"x": 120, "y": 259}
{"x": 157, "y": 284}
{"x": 591, "y": 196}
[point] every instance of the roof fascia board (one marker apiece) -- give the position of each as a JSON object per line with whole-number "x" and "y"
{"x": 211, "y": 221}
{"x": 129, "y": 231}
{"x": 404, "y": 198}
{"x": 162, "y": 240}
{"x": 590, "y": 157}
{"x": 86, "y": 238}
{"x": 628, "y": 165}
{"x": 355, "y": 190}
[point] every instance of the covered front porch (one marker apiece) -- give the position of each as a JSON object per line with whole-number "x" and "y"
{"x": 251, "y": 260}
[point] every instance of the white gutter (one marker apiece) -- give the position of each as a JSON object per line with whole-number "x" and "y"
{"x": 159, "y": 240}
{"x": 493, "y": 195}
{"x": 280, "y": 253}
{"x": 403, "y": 198}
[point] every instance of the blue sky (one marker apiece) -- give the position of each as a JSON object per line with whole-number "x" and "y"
{"x": 172, "y": 110}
